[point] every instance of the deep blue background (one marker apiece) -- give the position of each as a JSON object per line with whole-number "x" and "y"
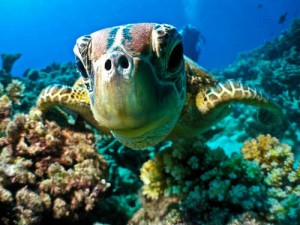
{"x": 45, "y": 31}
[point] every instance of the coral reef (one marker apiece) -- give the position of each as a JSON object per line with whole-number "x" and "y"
{"x": 23, "y": 91}
{"x": 276, "y": 161}
{"x": 274, "y": 67}
{"x": 246, "y": 219}
{"x": 65, "y": 73}
{"x": 124, "y": 169}
{"x": 207, "y": 187}
{"x": 47, "y": 171}
{"x": 52, "y": 174}
{"x": 5, "y": 111}
{"x": 14, "y": 91}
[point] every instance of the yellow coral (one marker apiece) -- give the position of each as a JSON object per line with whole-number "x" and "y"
{"x": 153, "y": 178}
{"x": 276, "y": 161}
{"x": 269, "y": 153}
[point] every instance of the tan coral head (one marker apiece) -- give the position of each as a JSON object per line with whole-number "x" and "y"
{"x": 136, "y": 79}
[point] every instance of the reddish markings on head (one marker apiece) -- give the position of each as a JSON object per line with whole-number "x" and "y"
{"x": 141, "y": 37}
{"x": 99, "y": 42}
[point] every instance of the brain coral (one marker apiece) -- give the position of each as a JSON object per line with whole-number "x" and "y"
{"x": 47, "y": 172}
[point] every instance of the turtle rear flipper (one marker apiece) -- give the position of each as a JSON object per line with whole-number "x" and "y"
{"x": 215, "y": 100}
{"x": 74, "y": 98}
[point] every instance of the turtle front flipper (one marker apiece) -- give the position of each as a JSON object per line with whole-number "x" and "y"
{"x": 75, "y": 98}
{"x": 214, "y": 101}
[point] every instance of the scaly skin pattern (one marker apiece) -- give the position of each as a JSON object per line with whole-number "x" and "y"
{"x": 137, "y": 84}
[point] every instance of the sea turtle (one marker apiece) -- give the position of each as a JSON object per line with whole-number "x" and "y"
{"x": 137, "y": 84}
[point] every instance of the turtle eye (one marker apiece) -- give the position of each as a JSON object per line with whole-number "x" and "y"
{"x": 80, "y": 68}
{"x": 176, "y": 57}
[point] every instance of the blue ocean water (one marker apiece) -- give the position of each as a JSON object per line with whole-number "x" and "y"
{"x": 38, "y": 157}
{"x": 45, "y": 31}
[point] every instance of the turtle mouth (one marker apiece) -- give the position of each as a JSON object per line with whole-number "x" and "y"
{"x": 140, "y": 131}
{"x": 148, "y": 135}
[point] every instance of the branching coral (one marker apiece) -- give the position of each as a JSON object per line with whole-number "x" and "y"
{"x": 48, "y": 171}
{"x": 5, "y": 110}
{"x": 153, "y": 179}
{"x": 246, "y": 219}
{"x": 269, "y": 153}
{"x": 208, "y": 185}
{"x": 11, "y": 94}
{"x": 276, "y": 161}
{"x": 14, "y": 91}
{"x": 212, "y": 188}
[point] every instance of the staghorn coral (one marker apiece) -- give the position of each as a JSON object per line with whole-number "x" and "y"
{"x": 47, "y": 172}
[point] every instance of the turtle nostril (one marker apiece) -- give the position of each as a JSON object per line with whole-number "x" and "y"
{"x": 107, "y": 65}
{"x": 124, "y": 62}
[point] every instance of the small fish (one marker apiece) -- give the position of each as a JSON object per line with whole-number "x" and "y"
{"x": 282, "y": 18}
{"x": 259, "y": 5}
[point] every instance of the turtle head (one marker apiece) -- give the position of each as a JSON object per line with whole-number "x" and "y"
{"x": 136, "y": 79}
